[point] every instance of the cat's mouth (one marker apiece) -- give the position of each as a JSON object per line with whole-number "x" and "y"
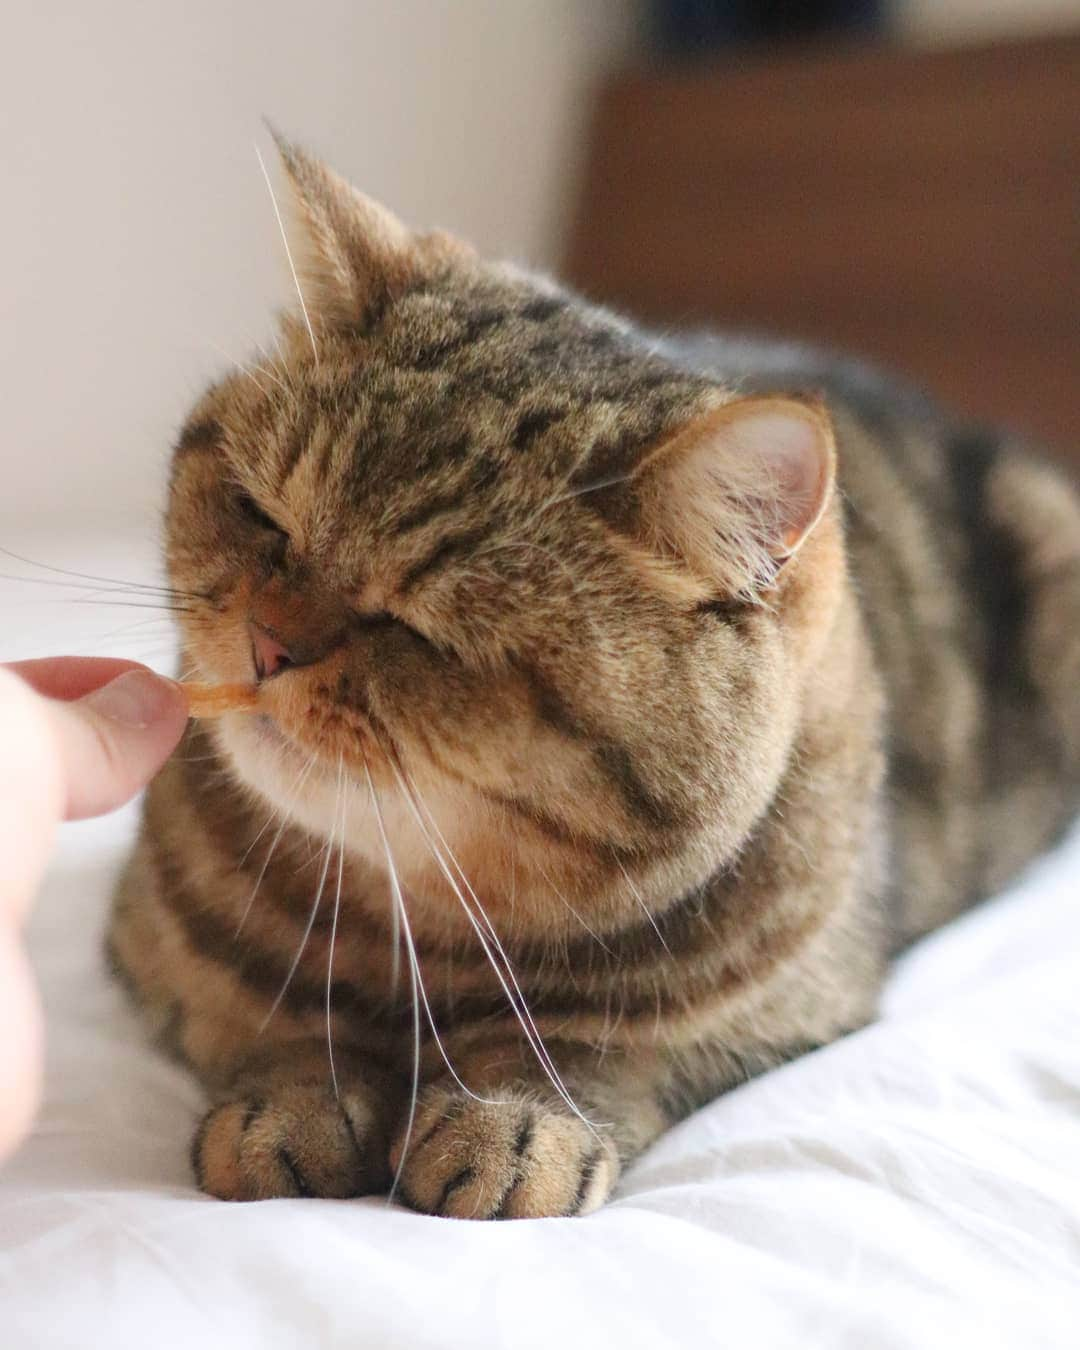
{"x": 323, "y": 737}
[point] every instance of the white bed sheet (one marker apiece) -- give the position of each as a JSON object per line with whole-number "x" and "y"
{"x": 916, "y": 1185}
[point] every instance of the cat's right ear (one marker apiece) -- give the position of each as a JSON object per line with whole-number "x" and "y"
{"x": 736, "y": 492}
{"x": 351, "y": 255}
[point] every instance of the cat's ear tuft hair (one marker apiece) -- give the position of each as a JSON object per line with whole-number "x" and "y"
{"x": 735, "y": 492}
{"x": 351, "y": 254}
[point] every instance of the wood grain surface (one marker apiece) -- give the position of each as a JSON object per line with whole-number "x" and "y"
{"x": 919, "y": 207}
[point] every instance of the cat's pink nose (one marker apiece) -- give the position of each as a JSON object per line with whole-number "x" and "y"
{"x": 270, "y": 656}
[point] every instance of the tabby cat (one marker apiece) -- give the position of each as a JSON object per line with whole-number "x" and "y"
{"x": 626, "y": 704}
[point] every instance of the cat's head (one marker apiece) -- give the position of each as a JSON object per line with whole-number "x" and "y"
{"x": 486, "y": 545}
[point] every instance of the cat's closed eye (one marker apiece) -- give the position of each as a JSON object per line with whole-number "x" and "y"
{"x": 384, "y": 619}
{"x": 380, "y": 618}
{"x": 253, "y": 514}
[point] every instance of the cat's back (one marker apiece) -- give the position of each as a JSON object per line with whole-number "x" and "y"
{"x": 964, "y": 550}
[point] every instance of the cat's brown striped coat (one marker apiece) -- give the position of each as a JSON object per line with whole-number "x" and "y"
{"x": 628, "y": 709}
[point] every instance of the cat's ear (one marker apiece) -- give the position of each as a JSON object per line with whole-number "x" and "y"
{"x": 350, "y": 253}
{"x": 735, "y": 493}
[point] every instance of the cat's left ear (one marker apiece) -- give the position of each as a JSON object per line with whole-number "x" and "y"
{"x": 352, "y": 255}
{"x": 736, "y": 492}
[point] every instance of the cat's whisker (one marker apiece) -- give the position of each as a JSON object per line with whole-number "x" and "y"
{"x": 505, "y": 975}
{"x": 275, "y": 812}
{"x": 264, "y": 369}
{"x": 419, "y": 991}
{"x": 397, "y": 915}
{"x": 341, "y": 805}
{"x": 296, "y": 789}
{"x": 150, "y": 643}
{"x": 643, "y": 906}
{"x": 575, "y": 582}
{"x": 415, "y": 980}
{"x": 283, "y": 364}
{"x": 137, "y": 624}
{"x": 129, "y": 604}
{"x": 165, "y": 607}
{"x": 570, "y": 909}
{"x": 105, "y": 581}
{"x": 85, "y": 589}
{"x": 610, "y": 1027}
{"x": 288, "y": 254}
{"x": 86, "y": 595}
{"x": 304, "y": 937}
{"x": 98, "y": 591}
{"x": 571, "y": 494}
{"x": 247, "y": 370}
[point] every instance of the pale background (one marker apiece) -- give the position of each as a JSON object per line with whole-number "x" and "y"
{"x": 137, "y": 234}
{"x": 139, "y": 248}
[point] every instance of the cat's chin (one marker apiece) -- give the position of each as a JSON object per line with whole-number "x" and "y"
{"x": 299, "y": 784}
{"x": 263, "y": 753}
{"x": 311, "y": 791}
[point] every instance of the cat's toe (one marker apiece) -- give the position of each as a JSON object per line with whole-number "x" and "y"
{"x": 300, "y": 1140}
{"x": 513, "y": 1158}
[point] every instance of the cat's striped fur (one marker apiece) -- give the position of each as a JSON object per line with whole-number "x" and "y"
{"x": 607, "y": 719}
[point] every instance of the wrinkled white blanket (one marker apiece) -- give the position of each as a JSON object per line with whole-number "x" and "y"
{"x": 917, "y": 1185}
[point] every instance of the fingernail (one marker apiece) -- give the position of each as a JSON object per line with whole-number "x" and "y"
{"x": 136, "y": 699}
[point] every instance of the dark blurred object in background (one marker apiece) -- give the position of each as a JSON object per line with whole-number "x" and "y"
{"x": 684, "y": 28}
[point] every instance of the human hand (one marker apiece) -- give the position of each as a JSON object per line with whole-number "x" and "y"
{"x": 80, "y": 736}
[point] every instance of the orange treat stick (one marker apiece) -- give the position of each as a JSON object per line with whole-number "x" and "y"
{"x": 212, "y": 700}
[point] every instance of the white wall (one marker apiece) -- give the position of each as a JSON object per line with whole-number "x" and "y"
{"x": 136, "y": 232}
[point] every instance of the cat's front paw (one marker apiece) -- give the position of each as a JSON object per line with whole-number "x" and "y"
{"x": 297, "y": 1140}
{"x": 510, "y": 1158}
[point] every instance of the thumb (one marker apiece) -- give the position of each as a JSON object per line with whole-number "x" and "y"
{"x": 111, "y": 742}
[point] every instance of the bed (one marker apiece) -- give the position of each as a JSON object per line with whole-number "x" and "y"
{"x": 915, "y": 1185}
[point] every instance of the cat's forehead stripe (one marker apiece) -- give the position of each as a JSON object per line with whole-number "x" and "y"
{"x": 429, "y": 510}
{"x": 533, "y": 423}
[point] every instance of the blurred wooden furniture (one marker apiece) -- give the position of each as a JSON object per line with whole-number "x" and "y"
{"x": 919, "y": 207}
